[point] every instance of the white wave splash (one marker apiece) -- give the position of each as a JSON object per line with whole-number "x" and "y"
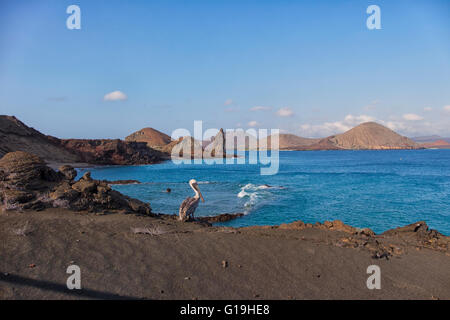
{"x": 254, "y": 195}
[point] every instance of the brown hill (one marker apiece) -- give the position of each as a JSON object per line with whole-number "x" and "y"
{"x": 439, "y": 144}
{"x": 16, "y": 136}
{"x": 366, "y": 136}
{"x": 152, "y": 137}
{"x": 372, "y": 136}
{"x": 322, "y": 144}
{"x": 287, "y": 142}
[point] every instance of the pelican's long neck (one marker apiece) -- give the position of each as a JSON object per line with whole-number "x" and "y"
{"x": 197, "y": 195}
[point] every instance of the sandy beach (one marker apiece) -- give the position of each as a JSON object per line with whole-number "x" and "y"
{"x": 176, "y": 260}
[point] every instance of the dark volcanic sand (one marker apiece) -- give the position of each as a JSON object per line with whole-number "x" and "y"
{"x": 185, "y": 261}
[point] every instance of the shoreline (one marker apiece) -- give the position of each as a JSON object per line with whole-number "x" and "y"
{"x": 79, "y": 165}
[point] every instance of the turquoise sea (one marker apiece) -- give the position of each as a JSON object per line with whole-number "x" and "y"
{"x": 375, "y": 189}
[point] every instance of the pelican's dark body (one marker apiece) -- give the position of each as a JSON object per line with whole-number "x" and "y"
{"x": 188, "y": 207}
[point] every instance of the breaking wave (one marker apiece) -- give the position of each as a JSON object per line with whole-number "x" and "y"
{"x": 254, "y": 195}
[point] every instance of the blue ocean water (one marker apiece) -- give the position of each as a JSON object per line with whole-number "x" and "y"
{"x": 375, "y": 189}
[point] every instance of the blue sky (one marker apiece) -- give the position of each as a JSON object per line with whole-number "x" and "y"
{"x": 307, "y": 67}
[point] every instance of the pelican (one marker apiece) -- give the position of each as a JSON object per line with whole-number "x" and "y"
{"x": 189, "y": 205}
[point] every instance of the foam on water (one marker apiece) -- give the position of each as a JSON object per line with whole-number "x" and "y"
{"x": 253, "y": 193}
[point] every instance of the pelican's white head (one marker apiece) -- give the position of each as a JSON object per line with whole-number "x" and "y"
{"x": 194, "y": 185}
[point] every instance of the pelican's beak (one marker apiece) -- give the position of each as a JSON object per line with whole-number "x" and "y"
{"x": 199, "y": 193}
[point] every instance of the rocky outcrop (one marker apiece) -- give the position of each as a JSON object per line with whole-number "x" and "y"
{"x": 27, "y": 183}
{"x": 113, "y": 152}
{"x": 417, "y": 234}
{"x": 122, "y": 181}
{"x": 224, "y": 217}
{"x": 16, "y": 136}
{"x": 185, "y": 147}
{"x": 217, "y": 147}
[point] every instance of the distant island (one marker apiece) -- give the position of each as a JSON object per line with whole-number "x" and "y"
{"x": 150, "y": 146}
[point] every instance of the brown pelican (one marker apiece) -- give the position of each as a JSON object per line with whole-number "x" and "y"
{"x": 189, "y": 205}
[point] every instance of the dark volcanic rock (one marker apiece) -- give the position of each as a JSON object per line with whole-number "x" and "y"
{"x": 27, "y": 183}
{"x": 220, "y": 218}
{"x": 21, "y": 170}
{"x": 113, "y": 152}
{"x": 68, "y": 171}
{"x": 420, "y": 233}
{"x": 122, "y": 181}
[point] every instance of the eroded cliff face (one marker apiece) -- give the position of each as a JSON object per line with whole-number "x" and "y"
{"x": 113, "y": 152}
{"x": 26, "y": 182}
{"x": 16, "y": 136}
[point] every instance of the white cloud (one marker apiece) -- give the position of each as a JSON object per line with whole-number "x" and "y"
{"x": 260, "y": 108}
{"x": 115, "y": 95}
{"x": 412, "y": 117}
{"x": 398, "y": 124}
{"x": 447, "y": 108}
{"x": 355, "y": 120}
{"x": 285, "y": 112}
{"x": 331, "y": 128}
{"x": 253, "y": 123}
{"x": 395, "y": 125}
{"x": 228, "y": 102}
{"x": 428, "y": 109}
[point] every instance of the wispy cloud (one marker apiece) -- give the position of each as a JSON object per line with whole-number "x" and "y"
{"x": 428, "y": 109}
{"x": 285, "y": 112}
{"x": 253, "y": 123}
{"x": 115, "y": 96}
{"x": 399, "y": 124}
{"x": 330, "y": 128}
{"x": 412, "y": 117}
{"x": 228, "y": 102}
{"x": 447, "y": 108}
{"x": 260, "y": 108}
